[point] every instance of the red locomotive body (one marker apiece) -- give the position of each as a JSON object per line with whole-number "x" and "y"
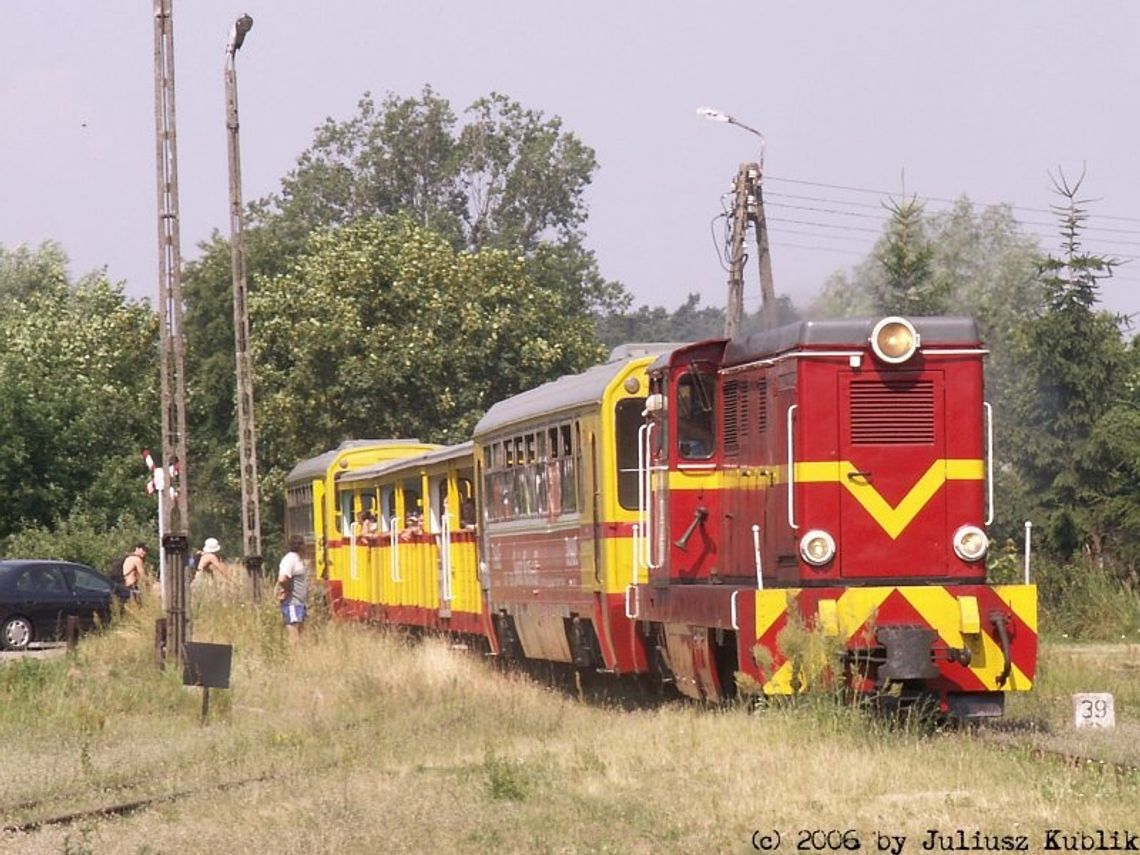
{"x": 829, "y": 478}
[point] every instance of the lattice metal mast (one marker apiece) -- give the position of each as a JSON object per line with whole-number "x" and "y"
{"x": 172, "y": 350}
{"x": 247, "y": 434}
{"x": 175, "y": 521}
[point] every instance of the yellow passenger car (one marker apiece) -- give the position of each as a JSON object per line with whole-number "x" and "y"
{"x": 408, "y": 558}
{"x": 311, "y": 508}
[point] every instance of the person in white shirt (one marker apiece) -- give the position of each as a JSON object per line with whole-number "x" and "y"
{"x": 293, "y": 589}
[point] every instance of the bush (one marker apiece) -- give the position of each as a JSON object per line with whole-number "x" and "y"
{"x": 81, "y": 538}
{"x": 1082, "y": 601}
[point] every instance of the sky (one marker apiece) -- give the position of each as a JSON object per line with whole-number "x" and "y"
{"x": 856, "y": 101}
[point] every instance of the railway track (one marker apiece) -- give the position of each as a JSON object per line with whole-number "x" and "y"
{"x": 122, "y": 808}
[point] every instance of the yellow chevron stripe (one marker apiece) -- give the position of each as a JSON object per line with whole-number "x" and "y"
{"x": 937, "y": 606}
{"x": 893, "y": 520}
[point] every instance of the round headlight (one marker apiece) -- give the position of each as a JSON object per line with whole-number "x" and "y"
{"x": 971, "y": 543}
{"x": 817, "y": 547}
{"x": 894, "y": 340}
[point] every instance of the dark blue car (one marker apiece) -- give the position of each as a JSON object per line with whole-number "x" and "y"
{"x": 37, "y": 596}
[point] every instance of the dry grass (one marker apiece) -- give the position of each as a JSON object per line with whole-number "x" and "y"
{"x": 365, "y": 742}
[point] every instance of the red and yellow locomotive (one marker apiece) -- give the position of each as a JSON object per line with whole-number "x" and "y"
{"x": 834, "y": 476}
{"x": 695, "y": 512}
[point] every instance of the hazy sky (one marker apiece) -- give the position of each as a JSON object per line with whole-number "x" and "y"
{"x": 968, "y": 98}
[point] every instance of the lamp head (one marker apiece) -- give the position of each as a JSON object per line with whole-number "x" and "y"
{"x": 237, "y": 35}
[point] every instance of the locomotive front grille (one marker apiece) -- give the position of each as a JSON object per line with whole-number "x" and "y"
{"x": 887, "y": 415}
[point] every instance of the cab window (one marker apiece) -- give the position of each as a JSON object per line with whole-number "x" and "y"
{"x": 695, "y": 406}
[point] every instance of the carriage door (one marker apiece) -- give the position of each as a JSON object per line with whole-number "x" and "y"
{"x": 891, "y": 473}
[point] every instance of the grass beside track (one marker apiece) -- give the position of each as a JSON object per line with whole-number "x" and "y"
{"x": 362, "y": 741}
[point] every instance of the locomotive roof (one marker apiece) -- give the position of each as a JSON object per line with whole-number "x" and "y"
{"x": 846, "y": 332}
{"x": 565, "y": 393}
{"x": 450, "y": 452}
{"x": 316, "y": 467}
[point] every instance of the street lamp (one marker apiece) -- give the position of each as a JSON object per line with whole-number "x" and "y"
{"x": 747, "y": 207}
{"x": 247, "y": 434}
{"x": 715, "y": 115}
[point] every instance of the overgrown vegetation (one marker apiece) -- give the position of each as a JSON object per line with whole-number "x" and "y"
{"x": 370, "y": 741}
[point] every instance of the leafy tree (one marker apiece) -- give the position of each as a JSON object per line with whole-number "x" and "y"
{"x": 690, "y": 322}
{"x": 78, "y": 394}
{"x": 506, "y": 178}
{"x": 982, "y": 262}
{"x": 383, "y": 329}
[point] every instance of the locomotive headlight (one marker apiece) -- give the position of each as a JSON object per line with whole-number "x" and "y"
{"x": 894, "y": 340}
{"x": 817, "y": 547}
{"x": 971, "y": 543}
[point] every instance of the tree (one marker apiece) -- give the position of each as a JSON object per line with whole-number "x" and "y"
{"x": 382, "y": 329}
{"x": 982, "y": 262}
{"x": 1075, "y": 369}
{"x": 909, "y": 285}
{"x": 78, "y": 394}
{"x": 507, "y": 178}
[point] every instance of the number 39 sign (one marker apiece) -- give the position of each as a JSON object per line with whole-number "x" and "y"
{"x": 1094, "y": 709}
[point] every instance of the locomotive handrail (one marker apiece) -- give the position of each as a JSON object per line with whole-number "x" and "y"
{"x": 394, "y": 558}
{"x": 632, "y": 586}
{"x": 791, "y": 470}
{"x": 989, "y": 462}
{"x": 732, "y": 607}
{"x": 756, "y": 554}
{"x": 445, "y": 555}
{"x": 645, "y": 472}
{"x": 640, "y": 551}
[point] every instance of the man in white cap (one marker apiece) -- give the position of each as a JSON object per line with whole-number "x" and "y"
{"x": 210, "y": 565}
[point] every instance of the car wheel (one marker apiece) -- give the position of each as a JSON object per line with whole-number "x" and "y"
{"x": 17, "y": 634}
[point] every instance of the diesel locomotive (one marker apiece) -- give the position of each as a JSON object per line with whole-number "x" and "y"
{"x": 799, "y": 507}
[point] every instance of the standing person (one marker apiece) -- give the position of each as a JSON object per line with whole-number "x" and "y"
{"x": 134, "y": 571}
{"x": 209, "y": 567}
{"x": 293, "y": 588}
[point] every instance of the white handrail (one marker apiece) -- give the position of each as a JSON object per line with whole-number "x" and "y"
{"x": 989, "y": 463}
{"x": 445, "y": 554}
{"x": 1028, "y": 539}
{"x": 653, "y": 560}
{"x": 756, "y": 555}
{"x": 640, "y": 552}
{"x": 352, "y": 552}
{"x": 791, "y": 471}
{"x": 394, "y": 558}
{"x": 735, "y": 616}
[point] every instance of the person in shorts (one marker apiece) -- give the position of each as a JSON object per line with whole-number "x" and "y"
{"x": 293, "y": 589}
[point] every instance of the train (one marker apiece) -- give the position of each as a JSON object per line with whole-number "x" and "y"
{"x": 796, "y": 509}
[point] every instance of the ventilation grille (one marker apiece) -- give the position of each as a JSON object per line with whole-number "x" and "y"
{"x": 762, "y": 408}
{"x": 732, "y": 421}
{"x": 881, "y": 415}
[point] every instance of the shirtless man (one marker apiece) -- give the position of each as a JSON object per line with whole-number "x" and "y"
{"x": 134, "y": 571}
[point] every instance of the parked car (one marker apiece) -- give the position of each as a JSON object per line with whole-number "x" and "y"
{"x": 37, "y": 596}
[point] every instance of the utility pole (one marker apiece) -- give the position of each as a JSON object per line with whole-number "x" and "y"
{"x": 747, "y": 209}
{"x": 175, "y": 512}
{"x": 247, "y": 434}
